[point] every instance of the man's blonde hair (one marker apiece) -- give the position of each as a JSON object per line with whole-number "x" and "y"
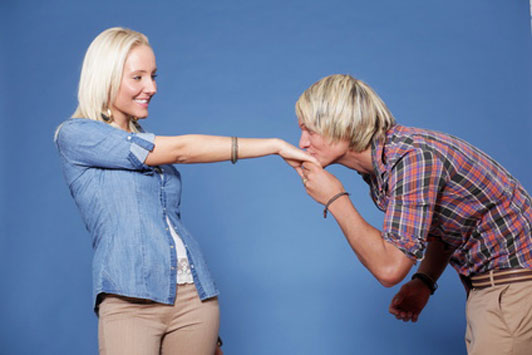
{"x": 341, "y": 107}
{"x": 101, "y": 73}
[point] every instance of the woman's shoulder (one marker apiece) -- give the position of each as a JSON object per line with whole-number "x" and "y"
{"x": 80, "y": 125}
{"x": 82, "y": 122}
{"x": 75, "y": 130}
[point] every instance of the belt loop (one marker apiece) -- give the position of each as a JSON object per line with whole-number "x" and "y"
{"x": 491, "y": 278}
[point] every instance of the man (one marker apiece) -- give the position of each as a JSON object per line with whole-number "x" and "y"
{"x": 444, "y": 200}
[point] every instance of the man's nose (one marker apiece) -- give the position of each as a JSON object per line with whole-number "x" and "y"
{"x": 304, "y": 141}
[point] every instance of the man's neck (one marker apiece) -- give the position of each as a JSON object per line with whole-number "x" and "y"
{"x": 359, "y": 161}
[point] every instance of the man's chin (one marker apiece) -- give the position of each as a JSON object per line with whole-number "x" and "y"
{"x": 323, "y": 164}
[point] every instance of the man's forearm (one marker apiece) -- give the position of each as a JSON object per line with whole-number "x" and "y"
{"x": 436, "y": 259}
{"x": 387, "y": 263}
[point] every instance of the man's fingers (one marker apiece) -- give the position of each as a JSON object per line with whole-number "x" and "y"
{"x": 310, "y": 166}
{"x": 299, "y": 171}
{"x": 312, "y": 159}
{"x": 396, "y": 300}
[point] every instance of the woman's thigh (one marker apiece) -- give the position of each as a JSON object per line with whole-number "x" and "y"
{"x": 193, "y": 329}
{"x": 129, "y": 327}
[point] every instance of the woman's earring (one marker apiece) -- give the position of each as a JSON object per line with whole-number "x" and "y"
{"x": 135, "y": 122}
{"x": 109, "y": 117}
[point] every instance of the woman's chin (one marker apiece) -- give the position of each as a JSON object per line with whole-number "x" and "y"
{"x": 142, "y": 116}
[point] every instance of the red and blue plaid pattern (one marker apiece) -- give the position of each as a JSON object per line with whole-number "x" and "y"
{"x": 433, "y": 185}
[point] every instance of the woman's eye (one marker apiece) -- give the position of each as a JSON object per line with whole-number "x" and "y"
{"x": 137, "y": 77}
{"x": 153, "y": 76}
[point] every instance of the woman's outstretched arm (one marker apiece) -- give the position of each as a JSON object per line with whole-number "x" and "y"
{"x": 187, "y": 149}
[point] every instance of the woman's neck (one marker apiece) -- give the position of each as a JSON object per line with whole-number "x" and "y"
{"x": 121, "y": 121}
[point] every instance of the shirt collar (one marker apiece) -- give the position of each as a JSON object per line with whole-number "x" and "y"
{"x": 379, "y": 146}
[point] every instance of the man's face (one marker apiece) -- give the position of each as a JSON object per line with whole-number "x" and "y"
{"x": 320, "y": 147}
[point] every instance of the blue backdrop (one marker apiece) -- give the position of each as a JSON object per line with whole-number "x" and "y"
{"x": 290, "y": 283}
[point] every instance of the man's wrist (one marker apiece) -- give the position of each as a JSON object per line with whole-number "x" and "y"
{"x": 331, "y": 200}
{"x": 427, "y": 281}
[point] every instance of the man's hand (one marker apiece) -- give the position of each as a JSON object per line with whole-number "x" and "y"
{"x": 293, "y": 155}
{"x": 320, "y": 184}
{"x": 408, "y": 303}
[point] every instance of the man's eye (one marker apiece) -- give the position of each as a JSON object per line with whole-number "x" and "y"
{"x": 137, "y": 77}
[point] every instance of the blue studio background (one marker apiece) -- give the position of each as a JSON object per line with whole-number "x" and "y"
{"x": 290, "y": 283}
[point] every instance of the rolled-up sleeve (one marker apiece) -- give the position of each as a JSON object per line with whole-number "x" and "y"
{"x": 414, "y": 185}
{"x": 141, "y": 145}
{"x": 92, "y": 143}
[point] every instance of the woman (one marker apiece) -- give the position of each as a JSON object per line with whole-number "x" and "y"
{"x": 152, "y": 289}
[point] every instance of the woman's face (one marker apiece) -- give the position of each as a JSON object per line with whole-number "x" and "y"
{"x": 137, "y": 86}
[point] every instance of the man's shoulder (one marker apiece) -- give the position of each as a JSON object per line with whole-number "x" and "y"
{"x": 405, "y": 141}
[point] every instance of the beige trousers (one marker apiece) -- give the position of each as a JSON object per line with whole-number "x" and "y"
{"x": 128, "y": 326}
{"x": 499, "y": 320}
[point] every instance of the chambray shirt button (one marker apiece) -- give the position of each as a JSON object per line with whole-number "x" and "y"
{"x": 173, "y": 268}
{"x": 192, "y": 266}
{"x": 171, "y": 247}
{"x": 128, "y": 138}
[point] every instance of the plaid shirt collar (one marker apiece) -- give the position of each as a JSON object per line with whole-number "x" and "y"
{"x": 378, "y": 180}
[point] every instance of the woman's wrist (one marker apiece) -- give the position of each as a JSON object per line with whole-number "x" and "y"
{"x": 278, "y": 145}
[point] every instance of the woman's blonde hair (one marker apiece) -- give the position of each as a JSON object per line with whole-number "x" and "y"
{"x": 341, "y": 107}
{"x": 101, "y": 72}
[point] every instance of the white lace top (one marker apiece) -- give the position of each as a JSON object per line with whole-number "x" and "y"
{"x": 184, "y": 275}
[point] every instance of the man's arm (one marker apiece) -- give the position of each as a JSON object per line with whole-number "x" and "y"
{"x": 436, "y": 259}
{"x": 408, "y": 303}
{"x": 387, "y": 263}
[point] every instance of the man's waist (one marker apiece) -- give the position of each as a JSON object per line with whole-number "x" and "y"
{"x": 499, "y": 277}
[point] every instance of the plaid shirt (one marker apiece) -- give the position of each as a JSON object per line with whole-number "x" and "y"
{"x": 433, "y": 185}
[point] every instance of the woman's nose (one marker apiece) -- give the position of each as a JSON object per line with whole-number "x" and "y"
{"x": 151, "y": 87}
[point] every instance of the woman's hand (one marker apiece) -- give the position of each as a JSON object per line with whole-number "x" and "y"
{"x": 320, "y": 184}
{"x": 294, "y": 156}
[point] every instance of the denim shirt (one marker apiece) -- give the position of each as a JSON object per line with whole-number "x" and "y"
{"x": 124, "y": 204}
